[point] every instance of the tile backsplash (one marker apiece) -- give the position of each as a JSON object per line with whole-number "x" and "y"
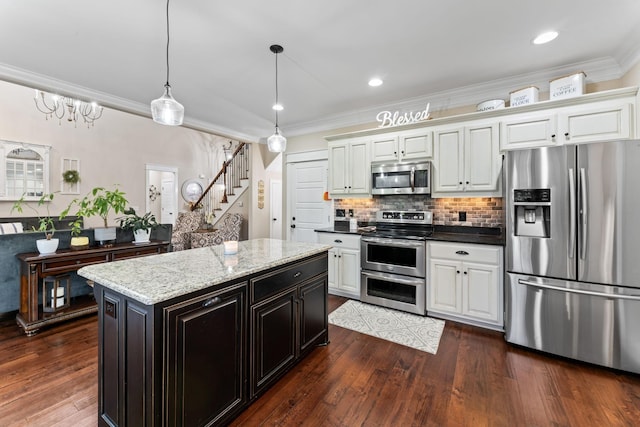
{"x": 480, "y": 211}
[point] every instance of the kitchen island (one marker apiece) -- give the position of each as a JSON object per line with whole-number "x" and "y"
{"x": 193, "y": 337}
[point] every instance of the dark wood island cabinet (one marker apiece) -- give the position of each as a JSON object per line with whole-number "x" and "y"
{"x": 191, "y": 338}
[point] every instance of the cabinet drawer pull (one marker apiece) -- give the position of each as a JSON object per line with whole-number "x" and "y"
{"x": 297, "y": 274}
{"x": 337, "y": 241}
{"x": 78, "y": 261}
{"x": 462, "y": 252}
{"x": 212, "y": 301}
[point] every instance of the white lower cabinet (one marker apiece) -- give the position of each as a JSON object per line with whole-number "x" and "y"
{"x": 344, "y": 263}
{"x": 465, "y": 283}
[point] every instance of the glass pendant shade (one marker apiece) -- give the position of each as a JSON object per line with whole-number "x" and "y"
{"x": 166, "y": 110}
{"x": 276, "y": 142}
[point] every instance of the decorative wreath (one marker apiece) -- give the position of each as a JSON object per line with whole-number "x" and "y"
{"x": 71, "y": 176}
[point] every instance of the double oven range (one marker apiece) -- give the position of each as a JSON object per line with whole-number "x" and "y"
{"x": 394, "y": 262}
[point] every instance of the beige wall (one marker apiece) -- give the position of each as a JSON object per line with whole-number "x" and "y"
{"x": 114, "y": 151}
{"x": 632, "y": 77}
{"x": 266, "y": 166}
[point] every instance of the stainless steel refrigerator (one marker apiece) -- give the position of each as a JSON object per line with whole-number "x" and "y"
{"x": 573, "y": 252}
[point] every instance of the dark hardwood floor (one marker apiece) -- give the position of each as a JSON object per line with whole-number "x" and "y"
{"x": 476, "y": 379}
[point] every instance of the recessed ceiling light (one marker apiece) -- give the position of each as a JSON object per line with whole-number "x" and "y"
{"x": 545, "y": 37}
{"x": 375, "y": 82}
{"x": 278, "y": 107}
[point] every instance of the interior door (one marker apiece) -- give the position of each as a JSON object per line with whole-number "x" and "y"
{"x": 167, "y": 202}
{"x": 308, "y": 209}
{"x": 275, "y": 209}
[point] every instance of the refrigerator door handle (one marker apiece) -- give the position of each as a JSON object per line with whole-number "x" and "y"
{"x": 583, "y": 213}
{"x": 572, "y": 213}
{"x": 579, "y": 291}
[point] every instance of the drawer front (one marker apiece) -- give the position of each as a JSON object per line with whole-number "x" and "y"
{"x": 72, "y": 264}
{"x": 272, "y": 283}
{"x": 138, "y": 252}
{"x": 466, "y": 252}
{"x": 348, "y": 241}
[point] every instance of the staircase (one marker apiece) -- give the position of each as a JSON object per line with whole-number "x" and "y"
{"x": 227, "y": 186}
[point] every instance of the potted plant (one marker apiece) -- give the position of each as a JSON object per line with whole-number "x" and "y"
{"x": 140, "y": 225}
{"x": 48, "y": 245}
{"x": 101, "y": 202}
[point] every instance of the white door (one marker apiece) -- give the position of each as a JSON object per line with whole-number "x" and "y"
{"x": 275, "y": 209}
{"x": 167, "y": 205}
{"x": 307, "y": 182}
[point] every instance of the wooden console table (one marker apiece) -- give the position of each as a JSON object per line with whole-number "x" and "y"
{"x": 35, "y": 267}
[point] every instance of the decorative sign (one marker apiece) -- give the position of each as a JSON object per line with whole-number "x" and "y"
{"x": 388, "y": 119}
{"x": 260, "y": 194}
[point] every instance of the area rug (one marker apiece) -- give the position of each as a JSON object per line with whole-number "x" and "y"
{"x": 411, "y": 330}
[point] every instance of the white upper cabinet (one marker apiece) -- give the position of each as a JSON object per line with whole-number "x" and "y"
{"x": 465, "y": 151}
{"x": 529, "y": 130}
{"x": 596, "y": 123}
{"x": 416, "y": 144}
{"x": 589, "y": 122}
{"x": 350, "y": 168}
{"x": 467, "y": 160}
{"x": 402, "y": 146}
{"x": 385, "y": 148}
{"x": 448, "y": 167}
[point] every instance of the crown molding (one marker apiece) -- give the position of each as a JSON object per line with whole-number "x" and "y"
{"x": 597, "y": 70}
{"x": 23, "y": 77}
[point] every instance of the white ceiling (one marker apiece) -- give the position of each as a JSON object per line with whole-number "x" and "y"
{"x": 449, "y": 53}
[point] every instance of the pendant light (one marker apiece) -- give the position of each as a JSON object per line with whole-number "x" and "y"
{"x": 166, "y": 110}
{"x": 276, "y": 142}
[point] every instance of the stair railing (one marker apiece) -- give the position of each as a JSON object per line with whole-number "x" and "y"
{"x": 225, "y": 181}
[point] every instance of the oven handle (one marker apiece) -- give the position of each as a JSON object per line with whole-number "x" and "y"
{"x": 394, "y": 278}
{"x": 393, "y": 242}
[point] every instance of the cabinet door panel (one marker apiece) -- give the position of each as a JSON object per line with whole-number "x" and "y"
{"x": 313, "y": 313}
{"x": 360, "y": 169}
{"x": 206, "y": 347}
{"x": 416, "y": 145}
{"x": 449, "y": 163}
{"x": 333, "y": 268}
{"x": 444, "y": 286}
{"x": 384, "y": 149}
{"x": 338, "y": 169}
{"x": 480, "y": 290}
{"x": 274, "y": 339}
{"x": 481, "y": 158}
{"x": 597, "y": 124}
{"x": 526, "y": 131}
{"x": 350, "y": 271}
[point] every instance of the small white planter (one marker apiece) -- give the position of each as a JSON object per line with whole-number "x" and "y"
{"x": 141, "y": 236}
{"x": 104, "y": 236}
{"x": 47, "y": 246}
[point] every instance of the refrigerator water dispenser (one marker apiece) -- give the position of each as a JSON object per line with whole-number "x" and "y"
{"x": 532, "y": 212}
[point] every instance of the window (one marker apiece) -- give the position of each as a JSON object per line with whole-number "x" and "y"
{"x": 24, "y": 170}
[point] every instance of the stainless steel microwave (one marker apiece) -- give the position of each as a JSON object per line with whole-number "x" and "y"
{"x": 401, "y": 178}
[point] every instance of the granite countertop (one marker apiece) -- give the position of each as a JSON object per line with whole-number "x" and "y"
{"x": 441, "y": 233}
{"x": 156, "y": 278}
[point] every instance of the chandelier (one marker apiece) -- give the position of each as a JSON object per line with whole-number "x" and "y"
{"x": 73, "y": 109}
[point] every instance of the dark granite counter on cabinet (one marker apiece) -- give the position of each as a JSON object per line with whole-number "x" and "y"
{"x": 460, "y": 234}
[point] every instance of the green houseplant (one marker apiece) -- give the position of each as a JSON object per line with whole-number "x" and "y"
{"x": 140, "y": 225}
{"x": 48, "y": 245}
{"x": 101, "y": 202}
